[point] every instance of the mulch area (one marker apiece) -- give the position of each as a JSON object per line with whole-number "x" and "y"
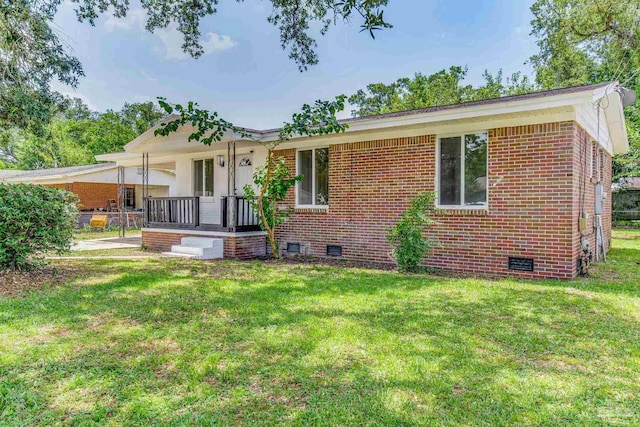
{"x": 13, "y": 283}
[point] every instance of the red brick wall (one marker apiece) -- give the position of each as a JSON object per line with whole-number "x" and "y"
{"x": 531, "y": 214}
{"x": 92, "y": 195}
{"x": 239, "y": 247}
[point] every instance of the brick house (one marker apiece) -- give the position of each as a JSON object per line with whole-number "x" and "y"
{"x": 521, "y": 184}
{"x": 95, "y": 184}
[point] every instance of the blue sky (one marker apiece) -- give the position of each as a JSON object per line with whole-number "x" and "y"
{"x": 248, "y": 78}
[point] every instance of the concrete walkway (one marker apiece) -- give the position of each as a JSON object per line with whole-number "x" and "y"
{"x": 109, "y": 243}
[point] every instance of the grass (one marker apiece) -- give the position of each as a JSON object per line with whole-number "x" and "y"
{"x": 172, "y": 342}
{"x": 89, "y": 233}
{"x": 121, "y": 252}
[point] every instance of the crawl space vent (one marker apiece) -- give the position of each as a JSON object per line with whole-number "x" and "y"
{"x": 293, "y": 248}
{"x": 520, "y": 264}
{"x": 334, "y": 250}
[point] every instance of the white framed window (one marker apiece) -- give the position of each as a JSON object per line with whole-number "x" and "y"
{"x": 313, "y": 189}
{"x": 461, "y": 180}
{"x": 203, "y": 177}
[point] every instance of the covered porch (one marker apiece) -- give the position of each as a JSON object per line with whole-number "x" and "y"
{"x": 208, "y": 194}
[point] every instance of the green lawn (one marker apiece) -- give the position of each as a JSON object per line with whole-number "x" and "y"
{"x": 88, "y": 233}
{"x": 171, "y": 342}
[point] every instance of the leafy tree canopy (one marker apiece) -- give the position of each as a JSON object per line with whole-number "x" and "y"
{"x": 441, "y": 88}
{"x": 31, "y": 55}
{"x": 76, "y": 136}
{"x": 590, "y": 41}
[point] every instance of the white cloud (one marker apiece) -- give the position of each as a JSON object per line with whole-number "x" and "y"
{"x": 134, "y": 20}
{"x": 172, "y": 41}
{"x": 148, "y": 76}
{"x": 170, "y": 38}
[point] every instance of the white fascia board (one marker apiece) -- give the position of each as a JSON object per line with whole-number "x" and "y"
{"x": 616, "y": 122}
{"x": 611, "y": 104}
{"x": 149, "y": 142}
{"x": 148, "y": 133}
{"x": 59, "y": 176}
{"x": 116, "y": 157}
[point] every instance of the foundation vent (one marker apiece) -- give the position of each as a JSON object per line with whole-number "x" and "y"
{"x": 334, "y": 250}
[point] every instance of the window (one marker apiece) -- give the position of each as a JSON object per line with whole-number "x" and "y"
{"x": 130, "y": 198}
{"x": 462, "y": 165}
{"x": 203, "y": 177}
{"x": 313, "y": 189}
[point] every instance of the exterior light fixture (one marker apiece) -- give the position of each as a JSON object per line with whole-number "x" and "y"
{"x": 221, "y": 160}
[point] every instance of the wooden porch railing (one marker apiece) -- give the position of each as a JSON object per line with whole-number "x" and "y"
{"x": 183, "y": 212}
{"x": 245, "y": 218}
{"x": 236, "y": 214}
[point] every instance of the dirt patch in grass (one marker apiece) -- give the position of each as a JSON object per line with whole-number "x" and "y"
{"x": 14, "y": 283}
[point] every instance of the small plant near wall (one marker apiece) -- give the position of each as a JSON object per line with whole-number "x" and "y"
{"x": 276, "y": 191}
{"x": 410, "y": 247}
{"x": 34, "y": 220}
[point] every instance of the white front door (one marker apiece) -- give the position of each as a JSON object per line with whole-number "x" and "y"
{"x": 244, "y": 172}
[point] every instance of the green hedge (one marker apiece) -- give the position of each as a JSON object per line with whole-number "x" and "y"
{"x": 34, "y": 220}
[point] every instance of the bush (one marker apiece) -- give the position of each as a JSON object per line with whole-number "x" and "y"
{"x": 410, "y": 247}
{"x": 34, "y": 220}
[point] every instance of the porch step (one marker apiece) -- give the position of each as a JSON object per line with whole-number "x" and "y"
{"x": 201, "y": 242}
{"x": 198, "y": 248}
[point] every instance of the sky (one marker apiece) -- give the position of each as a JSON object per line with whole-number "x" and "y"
{"x": 247, "y": 77}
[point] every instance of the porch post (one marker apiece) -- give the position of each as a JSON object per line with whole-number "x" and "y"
{"x": 145, "y": 188}
{"x": 121, "y": 199}
{"x": 233, "y": 217}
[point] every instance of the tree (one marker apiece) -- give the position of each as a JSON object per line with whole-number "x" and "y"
{"x": 141, "y": 116}
{"x": 441, "y": 88}
{"x": 273, "y": 192}
{"x": 56, "y": 149}
{"x": 31, "y": 55}
{"x": 590, "y": 41}
{"x": 312, "y": 120}
{"x": 76, "y": 136}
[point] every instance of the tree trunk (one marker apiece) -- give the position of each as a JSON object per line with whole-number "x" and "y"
{"x": 268, "y": 227}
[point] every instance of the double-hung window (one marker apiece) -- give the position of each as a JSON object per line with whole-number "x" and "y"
{"x": 203, "y": 177}
{"x": 313, "y": 189}
{"x": 462, "y": 170}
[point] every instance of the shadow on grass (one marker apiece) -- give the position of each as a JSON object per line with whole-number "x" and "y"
{"x": 249, "y": 343}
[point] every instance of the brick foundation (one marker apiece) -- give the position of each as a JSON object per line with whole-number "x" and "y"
{"x": 532, "y": 208}
{"x": 236, "y": 245}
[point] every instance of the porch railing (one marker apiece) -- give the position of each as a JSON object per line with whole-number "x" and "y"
{"x": 236, "y": 214}
{"x": 183, "y": 212}
{"x": 245, "y": 218}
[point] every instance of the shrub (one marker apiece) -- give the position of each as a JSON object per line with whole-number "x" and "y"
{"x": 410, "y": 247}
{"x": 34, "y": 220}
